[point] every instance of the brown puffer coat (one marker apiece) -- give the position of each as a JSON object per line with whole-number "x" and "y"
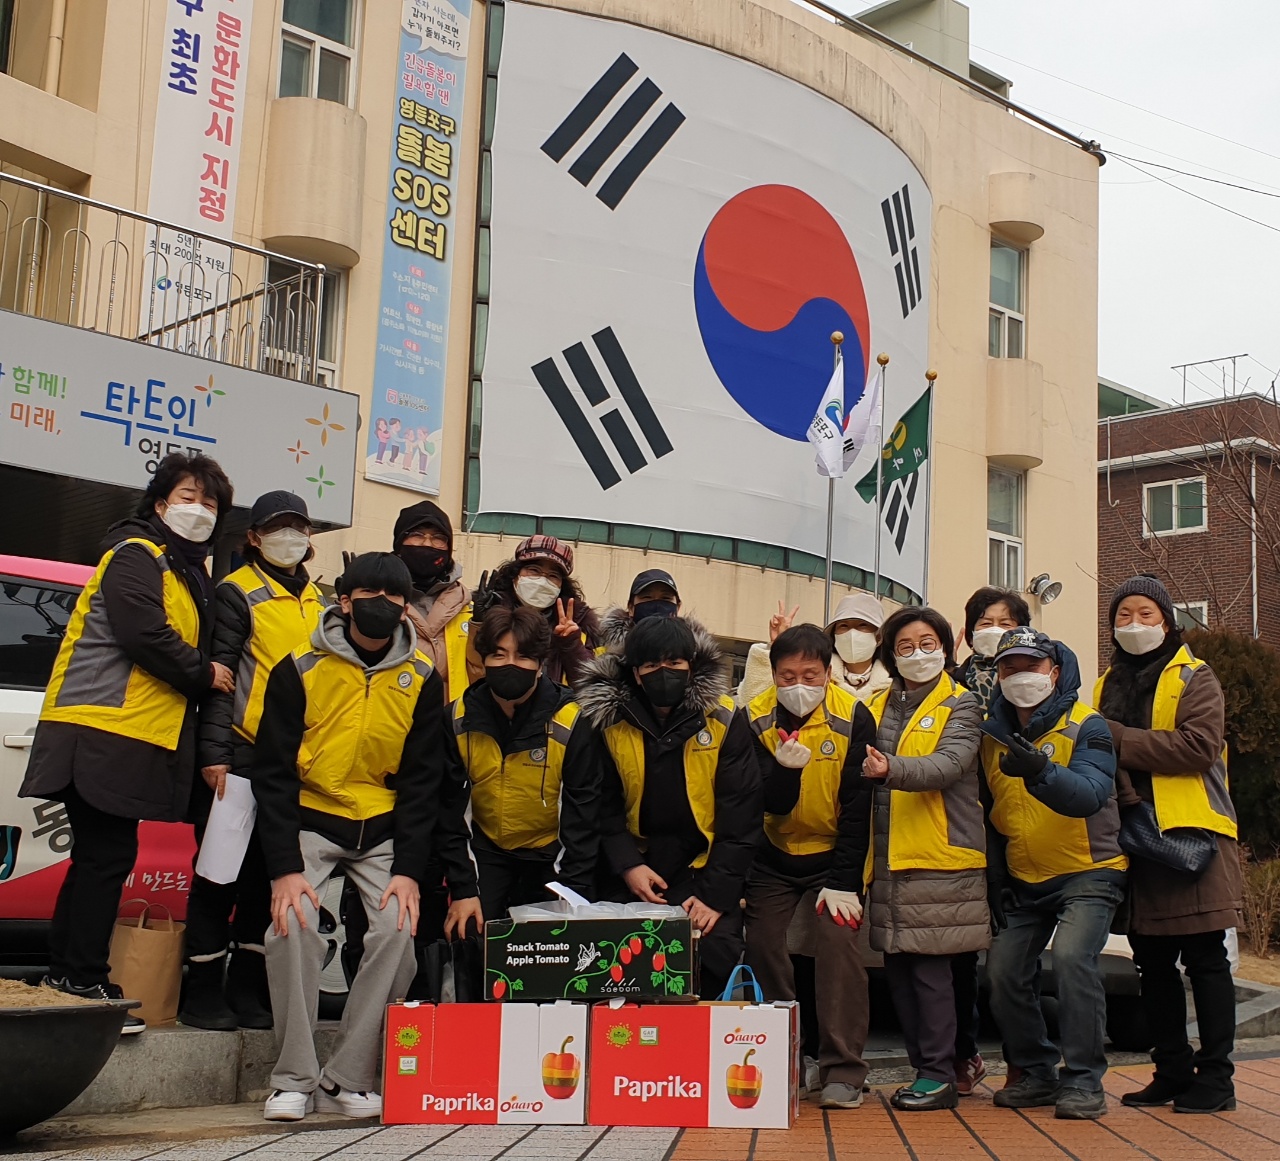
{"x": 931, "y": 912}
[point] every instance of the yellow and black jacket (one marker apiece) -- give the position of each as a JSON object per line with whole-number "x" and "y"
{"x": 534, "y": 779}
{"x": 680, "y": 794}
{"x": 817, "y": 819}
{"x": 350, "y": 747}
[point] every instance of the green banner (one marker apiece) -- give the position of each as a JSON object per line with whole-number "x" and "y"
{"x": 904, "y": 451}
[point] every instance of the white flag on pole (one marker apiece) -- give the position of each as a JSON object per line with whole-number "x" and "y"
{"x": 863, "y": 426}
{"x": 826, "y": 432}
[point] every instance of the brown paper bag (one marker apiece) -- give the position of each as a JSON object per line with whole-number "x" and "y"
{"x": 146, "y": 961}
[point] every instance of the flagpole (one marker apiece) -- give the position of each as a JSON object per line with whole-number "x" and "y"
{"x": 928, "y": 496}
{"x": 883, "y": 360}
{"x": 837, "y": 338}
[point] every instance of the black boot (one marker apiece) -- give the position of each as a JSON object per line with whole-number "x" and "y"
{"x": 1205, "y": 1098}
{"x": 1160, "y": 1091}
{"x": 203, "y": 1004}
{"x": 247, "y": 988}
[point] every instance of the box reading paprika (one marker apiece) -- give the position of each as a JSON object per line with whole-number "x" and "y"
{"x": 590, "y": 959}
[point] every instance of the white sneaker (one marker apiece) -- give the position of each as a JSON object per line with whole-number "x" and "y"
{"x": 288, "y": 1106}
{"x": 349, "y": 1104}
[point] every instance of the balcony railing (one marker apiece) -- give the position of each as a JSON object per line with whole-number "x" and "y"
{"x": 73, "y": 260}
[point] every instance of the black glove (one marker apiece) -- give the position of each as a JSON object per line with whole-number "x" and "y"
{"x": 483, "y": 598}
{"x": 1024, "y": 761}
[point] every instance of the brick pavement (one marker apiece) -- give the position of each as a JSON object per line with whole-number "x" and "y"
{"x": 874, "y": 1133}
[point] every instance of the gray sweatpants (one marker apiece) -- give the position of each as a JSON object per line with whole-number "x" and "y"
{"x": 293, "y": 972}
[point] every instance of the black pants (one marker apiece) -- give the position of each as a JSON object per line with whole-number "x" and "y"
{"x": 103, "y": 853}
{"x": 507, "y": 880}
{"x": 924, "y": 998}
{"x": 964, "y": 981}
{"x": 1164, "y": 1002}
{"x": 210, "y": 907}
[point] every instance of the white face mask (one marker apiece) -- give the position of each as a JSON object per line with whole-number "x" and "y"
{"x": 285, "y": 547}
{"x": 1026, "y": 689}
{"x": 986, "y": 640}
{"x": 1140, "y": 639}
{"x": 801, "y": 700}
{"x": 193, "y": 522}
{"x": 921, "y": 667}
{"x": 537, "y": 591}
{"x": 855, "y": 646}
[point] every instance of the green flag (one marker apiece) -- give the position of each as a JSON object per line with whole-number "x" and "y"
{"x": 904, "y": 451}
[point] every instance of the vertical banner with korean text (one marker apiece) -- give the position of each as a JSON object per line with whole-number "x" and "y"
{"x": 403, "y": 441}
{"x": 195, "y": 162}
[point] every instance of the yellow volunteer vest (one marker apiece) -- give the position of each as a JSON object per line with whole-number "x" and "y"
{"x": 95, "y": 684}
{"x": 918, "y": 832}
{"x": 456, "y": 633}
{"x": 701, "y": 756}
{"x": 279, "y": 622}
{"x": 355, "y": 726}
{"x": 1188, "y": 799}
{"x": 1043, "y": 843}
{"x": 516, "y": 800}
{"x": 811, "y": 826}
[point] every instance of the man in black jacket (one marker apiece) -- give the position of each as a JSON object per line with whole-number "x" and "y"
{"x": 347, "y": 774}
{"x": 680, "y": 824}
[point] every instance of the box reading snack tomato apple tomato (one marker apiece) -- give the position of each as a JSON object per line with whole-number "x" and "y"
{"x": 590, "y": 959}
{"x": 485, "y": 1064}
{"x": 715, "y": 1065}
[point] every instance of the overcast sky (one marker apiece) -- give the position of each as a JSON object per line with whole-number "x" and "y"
{"x": 1179, "y": 280}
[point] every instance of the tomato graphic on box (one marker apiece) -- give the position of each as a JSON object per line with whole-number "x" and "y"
{"x": 561, "y": 1072}
{"x": 744, "y": 1082}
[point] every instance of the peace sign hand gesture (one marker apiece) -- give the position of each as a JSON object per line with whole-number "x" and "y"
{"x": 781, "y": 621}
{"x": 566, "y": 626}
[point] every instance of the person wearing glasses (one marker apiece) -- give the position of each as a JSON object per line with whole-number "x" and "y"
{"x": 927, "y": 885}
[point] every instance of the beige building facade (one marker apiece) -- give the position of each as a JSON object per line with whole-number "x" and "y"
{"x": 1012, "y": 262}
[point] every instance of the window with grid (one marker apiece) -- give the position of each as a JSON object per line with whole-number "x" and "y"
{"x": 317, "y": 50}
{"x": 1173, "y": 507}
{"x": 1004, "y": 528}
{"x": 291, "y": 316}
{"x": 1006, "y": 321}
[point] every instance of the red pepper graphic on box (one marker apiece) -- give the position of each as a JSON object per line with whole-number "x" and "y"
{"x": 744, "y": 1082}
{"x": 561, "y": 1072}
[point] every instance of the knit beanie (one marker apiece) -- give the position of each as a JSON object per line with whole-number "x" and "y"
{"x": 1144, "y": 585}
{"x": 422, "y": 515}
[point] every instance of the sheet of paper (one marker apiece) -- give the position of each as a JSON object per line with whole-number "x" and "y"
{"x": 226, "y": 838}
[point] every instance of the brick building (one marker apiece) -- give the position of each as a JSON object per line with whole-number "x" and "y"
{"x": 1191, "y": 494}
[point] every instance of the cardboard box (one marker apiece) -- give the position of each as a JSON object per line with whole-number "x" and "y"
{"x": 590, "y": 959}
{"x": 485, "y": 1064}
{"x": 696, "y": 1065}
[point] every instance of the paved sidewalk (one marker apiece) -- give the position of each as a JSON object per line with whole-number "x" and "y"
{"x": 873, "y": 1133}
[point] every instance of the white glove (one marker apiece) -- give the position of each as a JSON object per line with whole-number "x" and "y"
{"x": 793, "y": 755}
{"x": 845, "y": 906}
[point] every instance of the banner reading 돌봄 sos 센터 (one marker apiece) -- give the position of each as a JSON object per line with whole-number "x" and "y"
{"x": 675, "y": 235}
{"x": 402, "y": 442}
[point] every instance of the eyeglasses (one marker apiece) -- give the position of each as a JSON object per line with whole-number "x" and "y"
{"x": 906, "y": 648}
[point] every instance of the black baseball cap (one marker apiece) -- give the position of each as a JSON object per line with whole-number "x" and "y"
{"x": 1025, "y": 641}
{"x": 653, "y": 576}
{"x": 272, "y": 504}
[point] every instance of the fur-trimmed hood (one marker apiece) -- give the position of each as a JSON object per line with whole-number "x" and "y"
{"x": 614, "y": 627}
{"x": 605, "y": 689}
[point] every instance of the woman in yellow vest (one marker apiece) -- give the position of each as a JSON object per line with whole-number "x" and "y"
{"x": 928, "y": 887}
{"x": 680, "y": 800}
{"x": 532, "y": 761}
{"x": 1166, "y": 713}
{"x": 264, "y": 610}
{"x": 116, "y": 741}
{"x": 811, "y": 736}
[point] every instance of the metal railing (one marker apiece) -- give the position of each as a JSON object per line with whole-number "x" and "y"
{"x": 72, "y": 260}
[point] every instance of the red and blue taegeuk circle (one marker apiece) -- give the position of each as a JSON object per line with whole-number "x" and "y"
{"x": 775, "y": 276}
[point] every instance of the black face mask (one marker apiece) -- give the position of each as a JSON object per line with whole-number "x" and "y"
{"x": 665, "y": 688}
{"x": 426, "y": 564}
{"x": 376, "y": 617}
{"x": 510, "y": 682}
{"x": 655, "y": 609}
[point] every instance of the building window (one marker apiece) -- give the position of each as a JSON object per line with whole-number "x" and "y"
{"x": 8, "y": 9}
{"x": 1191, "y": 614}
{"x": 1004, "y": 528}
{"x": 1007, "y": 320}
{"x": 1173, "y": 507}
{"x": 290, "y": 311}
{"x": 317, "y": 49}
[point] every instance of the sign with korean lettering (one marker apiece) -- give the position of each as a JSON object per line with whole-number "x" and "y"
{"x": 81, "y": 404}
{"x": 675, "y": 235}
{"x": 195, "y": 158}
{"x": 403, "y": 443}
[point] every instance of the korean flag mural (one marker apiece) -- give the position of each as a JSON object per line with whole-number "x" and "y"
{"x": 675, "y": 235}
